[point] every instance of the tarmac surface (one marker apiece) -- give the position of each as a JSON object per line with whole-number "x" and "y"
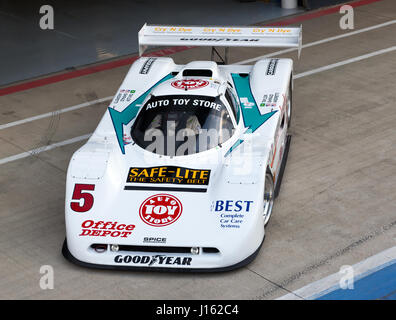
{"x": 337, "y": 204}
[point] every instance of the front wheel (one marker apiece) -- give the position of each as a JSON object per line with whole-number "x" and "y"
{"x": 268, "y": 201}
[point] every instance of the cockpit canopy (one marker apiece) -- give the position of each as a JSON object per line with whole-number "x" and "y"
{"x": 176, "y": 125}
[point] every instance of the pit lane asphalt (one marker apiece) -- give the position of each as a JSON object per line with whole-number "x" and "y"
{"x": 337, "y": 202}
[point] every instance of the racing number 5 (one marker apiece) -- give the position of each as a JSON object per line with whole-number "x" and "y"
{"x": 78, "y": 194}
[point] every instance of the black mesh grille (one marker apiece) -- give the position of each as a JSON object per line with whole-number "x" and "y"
{"x": 197, "y": 73}
{"x": 165, "y": 249}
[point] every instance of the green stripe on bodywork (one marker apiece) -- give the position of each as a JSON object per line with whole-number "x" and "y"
{"x": 252, "y": 117}
{"x": 129, "y": 113}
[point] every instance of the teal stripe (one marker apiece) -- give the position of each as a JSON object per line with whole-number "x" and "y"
{"x": 129, "y": 113}
{"x": 252, "y": 118}
{"x": 236, "y": 144}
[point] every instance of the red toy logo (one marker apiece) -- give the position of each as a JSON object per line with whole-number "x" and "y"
{"x": 160, "y": 210}
{"x": 190, "y": 84}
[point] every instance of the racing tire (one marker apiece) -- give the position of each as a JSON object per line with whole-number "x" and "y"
{"x": 269, "y": 197}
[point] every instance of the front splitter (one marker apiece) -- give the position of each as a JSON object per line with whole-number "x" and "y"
{"x": 66, "y": 253}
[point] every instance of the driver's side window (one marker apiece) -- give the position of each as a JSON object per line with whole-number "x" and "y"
{"x": 231, "y": 101}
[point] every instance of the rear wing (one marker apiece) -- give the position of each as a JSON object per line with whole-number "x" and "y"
{"x": 163, "y": 35}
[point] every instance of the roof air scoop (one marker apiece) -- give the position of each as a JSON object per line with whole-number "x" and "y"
{"x": 200, "y": 69}
{"x": 197, "y": 73}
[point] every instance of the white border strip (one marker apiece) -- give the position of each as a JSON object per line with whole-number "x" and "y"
{"x": 49, "y": 114}
{"x": 342, "y": 63}
{"x": 44, "y": 148}
{"x": 331, "y": 283}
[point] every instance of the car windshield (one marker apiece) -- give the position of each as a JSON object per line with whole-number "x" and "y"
{"x": 182, "y": 124}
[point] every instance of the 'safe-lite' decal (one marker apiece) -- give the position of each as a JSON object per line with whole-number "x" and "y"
{"x": 169, "y": 174}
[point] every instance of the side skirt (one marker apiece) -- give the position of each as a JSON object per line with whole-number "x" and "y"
{"x": 283, "y": 166}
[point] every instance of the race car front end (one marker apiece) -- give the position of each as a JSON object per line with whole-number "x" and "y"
{"x": 211, "y": 223}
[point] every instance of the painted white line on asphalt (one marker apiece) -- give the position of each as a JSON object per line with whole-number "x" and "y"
{"x": 311, "y": 44}
{"x": 341, "y": 63}
{"x": 49, "y": 114}
{"x": 315, "y": 43}
{"x": 44, "y": 148}
{"x": 332, "y": 282}
{"x": 297, "y": 76}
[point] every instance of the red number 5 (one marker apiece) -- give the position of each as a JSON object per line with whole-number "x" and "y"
{"x": 78, "y": 194}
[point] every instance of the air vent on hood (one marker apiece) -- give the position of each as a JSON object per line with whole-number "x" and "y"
{"x": 197, "y": 73}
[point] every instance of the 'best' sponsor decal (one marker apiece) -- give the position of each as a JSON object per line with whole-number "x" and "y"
{"x": 160, "y": 210}
{"x": 169, "y": 174}
{"x": 106, "y": 229}
{"x": 232, "y": 212}
{"x": 232, "y": 205}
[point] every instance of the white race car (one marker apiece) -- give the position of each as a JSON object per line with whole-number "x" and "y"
{"x": 183, "y": 169}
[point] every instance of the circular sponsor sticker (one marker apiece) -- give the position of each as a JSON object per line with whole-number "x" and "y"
{"x": 160, "y": 210}
{"x": 190, "y": 84}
